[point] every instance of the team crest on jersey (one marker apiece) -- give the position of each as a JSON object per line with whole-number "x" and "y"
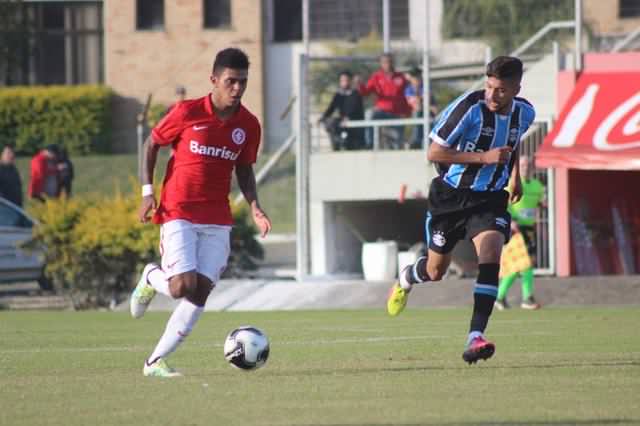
{"x": 487, "y": 131}
{"x": 439, "y": 239}
{"x": 238, "y": 136}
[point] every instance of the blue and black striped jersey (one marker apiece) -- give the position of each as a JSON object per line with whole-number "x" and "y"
{"x": 468, "y": 125}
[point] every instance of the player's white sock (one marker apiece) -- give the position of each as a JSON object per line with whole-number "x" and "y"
{"x": 473, "y": 335}
{"x": 178, "y": 328}
{"x": 402, "y": 279}
{"x": 158, "y": 280}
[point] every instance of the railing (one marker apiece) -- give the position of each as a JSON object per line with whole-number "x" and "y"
{"x": 377, "y": 124}
{"x": 625, "y": 41}
{"x": 555, "y": 25}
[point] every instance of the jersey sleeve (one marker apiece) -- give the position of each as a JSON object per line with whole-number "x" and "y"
{"x": 528, "y": 117}
{"x": 169, "y": 128}
{"x": 249, "y": 153}
{"x": 452, "y": 124}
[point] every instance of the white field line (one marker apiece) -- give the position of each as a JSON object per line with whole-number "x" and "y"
{"x": 219, "y": 345}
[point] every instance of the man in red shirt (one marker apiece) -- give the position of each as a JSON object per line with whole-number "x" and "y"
{"x": 388, "y": 85}
{"x": 209, "y": 137}
{"x": 44, "y": 174}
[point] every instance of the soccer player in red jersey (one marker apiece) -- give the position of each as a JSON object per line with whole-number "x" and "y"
{"x": 209, "y": 137}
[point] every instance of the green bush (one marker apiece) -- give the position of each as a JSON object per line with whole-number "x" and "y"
{"x": 96, "y": 246}
{"x": 75, "y": 117}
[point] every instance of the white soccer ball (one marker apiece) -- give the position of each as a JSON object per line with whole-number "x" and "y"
{"x": 246, "y": 347}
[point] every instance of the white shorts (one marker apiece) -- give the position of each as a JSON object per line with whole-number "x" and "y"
{"x": 185, "y": 247}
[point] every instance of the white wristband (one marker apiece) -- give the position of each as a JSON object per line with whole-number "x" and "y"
{"x": 147, "y": 190}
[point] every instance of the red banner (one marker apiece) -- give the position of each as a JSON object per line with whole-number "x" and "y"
{"x": 599, "y": 127}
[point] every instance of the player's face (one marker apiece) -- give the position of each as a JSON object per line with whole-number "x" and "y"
{"x": 345, "y": 82}
{"x": 386, "y": 63}
{"x": 498, "y": 94}
{"x": 229, "y": 86}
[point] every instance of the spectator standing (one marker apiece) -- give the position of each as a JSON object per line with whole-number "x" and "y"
{"x": 65, "y": 172}
{"x": 348, "y": 103}
{"x": 10, "y": 182}
{"x": 44, "y": 174}
{"x": 388, "y": 85}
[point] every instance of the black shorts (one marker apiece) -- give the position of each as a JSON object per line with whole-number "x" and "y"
{"x": 455, "y": 214}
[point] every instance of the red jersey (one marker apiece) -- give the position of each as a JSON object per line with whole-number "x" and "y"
{"x": 44, "y": 176}
{"x": 389, "y": 90}
{"x": 206, "y": 149}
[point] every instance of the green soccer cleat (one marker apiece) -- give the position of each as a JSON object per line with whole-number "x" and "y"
{"x": 159, "y": 368}
{"x": 143, "y": 293}
{"x": 397, "y": 299}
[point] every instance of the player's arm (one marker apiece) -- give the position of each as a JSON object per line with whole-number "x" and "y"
{"x": 515, "y": 181}
{"x": 247, "y": 183}
{"x": 442, "y": 154}
{"x": 149, "y": 159}
{"x": 451, "y": 129}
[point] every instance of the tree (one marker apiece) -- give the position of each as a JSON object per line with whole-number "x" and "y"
{"x": 504, "y": 24}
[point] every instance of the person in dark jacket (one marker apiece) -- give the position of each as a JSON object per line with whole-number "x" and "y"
{"x": 65, "y": 173}
{"x": 348, "y": 102}
{"x": 10, "y": 182}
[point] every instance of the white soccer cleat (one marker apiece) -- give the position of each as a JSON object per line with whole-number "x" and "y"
{"x": 143, "y": 293}
{"x": 159, "y": 368}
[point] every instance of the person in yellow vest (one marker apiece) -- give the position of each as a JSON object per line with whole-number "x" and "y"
{"x": 518, "y": 257}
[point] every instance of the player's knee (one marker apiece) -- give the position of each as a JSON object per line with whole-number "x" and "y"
{"x": 184, "y": 285}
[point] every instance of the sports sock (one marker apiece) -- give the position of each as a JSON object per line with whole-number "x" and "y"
{"x": 527, "y": 283}
{"x": 158, "y": 280}
{"x": 414, "y": 274}
{"x": 178, "y": 328}
{"x": 484, "y": 294}
{"x": 505, "y": 284}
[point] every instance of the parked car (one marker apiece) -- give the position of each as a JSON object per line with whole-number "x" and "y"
{"x": 17, "y": 263}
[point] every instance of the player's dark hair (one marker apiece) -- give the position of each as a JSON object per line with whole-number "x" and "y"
{"x": 230, "y": 58}
{"x": 345, "y": 72}
{"x": 505, "y": 68}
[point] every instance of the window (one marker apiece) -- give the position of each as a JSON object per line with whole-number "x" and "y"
{"x": 150, "y": 14}
{"x": 53, "y": 43}
{"x": 287, "y": 24}
{"x": 629, "y": 9}
{"x": 217, "y": 13}
{"x": 338, "y": 19}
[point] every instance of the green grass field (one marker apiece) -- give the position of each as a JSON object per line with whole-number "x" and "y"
{"x": 553, "y": 367}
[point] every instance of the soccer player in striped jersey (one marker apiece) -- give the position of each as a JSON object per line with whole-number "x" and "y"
{"x": 476, "y": 147}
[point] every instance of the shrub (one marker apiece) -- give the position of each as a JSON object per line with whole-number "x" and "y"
{"x": 95, "y": 246}
{"x": 75, "y": 117}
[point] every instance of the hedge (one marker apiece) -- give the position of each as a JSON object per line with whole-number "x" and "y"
{"x": 74, "y": 117}
{"x": 95, "y": 247}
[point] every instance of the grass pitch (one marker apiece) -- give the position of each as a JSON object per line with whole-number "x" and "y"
{"x": 553, "y": 367}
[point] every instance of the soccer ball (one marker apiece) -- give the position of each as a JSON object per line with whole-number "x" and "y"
{"x": 246, "y": 347}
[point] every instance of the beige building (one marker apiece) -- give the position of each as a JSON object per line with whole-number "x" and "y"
{"x": 612, "y": 17}
{"x": 153, "y": 46}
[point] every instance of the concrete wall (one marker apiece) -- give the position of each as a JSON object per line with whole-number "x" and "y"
{"x": 354, "y": 198}
{"x": 138, "y": 63}
{"x": 602, "y": 17}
